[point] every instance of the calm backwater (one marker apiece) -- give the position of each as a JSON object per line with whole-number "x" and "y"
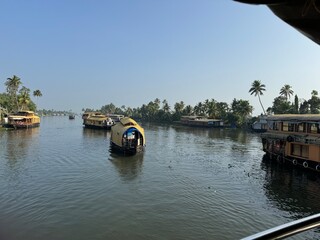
{"x": 60, "y": 181}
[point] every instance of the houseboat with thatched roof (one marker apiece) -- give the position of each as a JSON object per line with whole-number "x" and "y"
{"x": 294, "y": 138}
{"x": 127, "y": 136}
{"x": 261, "y": 125}
{"x": 22, "y": 119}
{"x": 97, "y": 120}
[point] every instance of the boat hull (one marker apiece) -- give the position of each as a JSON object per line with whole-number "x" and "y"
{"x": 21, "y": 126}
{"x": 126, "y": 150}
{"x": 97, "y": 127}
{"x": 294, "y": 161}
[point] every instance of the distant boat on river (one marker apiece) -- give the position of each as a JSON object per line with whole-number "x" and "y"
{"x": 97, "y": 120}
{"x": 200, "y": 121}
{"x": 261, "y": 125}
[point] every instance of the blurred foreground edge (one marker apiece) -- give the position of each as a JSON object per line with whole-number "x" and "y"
{"x": 303, "y": 15}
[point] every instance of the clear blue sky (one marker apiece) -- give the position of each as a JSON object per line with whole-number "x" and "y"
{"x": 85, "y": 54}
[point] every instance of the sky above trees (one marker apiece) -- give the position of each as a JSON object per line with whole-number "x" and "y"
{"x": 85, "y": 54}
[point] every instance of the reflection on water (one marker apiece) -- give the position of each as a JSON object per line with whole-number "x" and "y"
{"x": 128, "y": 167}
{"x": 60, "y": 181}
{"x": 291, "y": 189}
{"x": 93, "y": 133}
{"x": 16, "y": 144}
{"x": 236, "y": 135}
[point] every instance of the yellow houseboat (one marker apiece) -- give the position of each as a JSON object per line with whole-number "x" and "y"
{"x": 127, "y": 136}
{"x": 97, "y": 120}
{"x": 22, "y": 119}
{"x": 295, "y": 138}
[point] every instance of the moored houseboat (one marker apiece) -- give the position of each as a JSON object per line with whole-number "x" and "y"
{"x": 261, "y": 125}
{"x": 115, "y": 117}
{"x": 22, "y": 119}
{"x": 199, "y": 121}
{"x": 97, "y": 120}
{"x": 127, "y": 136}
{"x": 295, "y": 138}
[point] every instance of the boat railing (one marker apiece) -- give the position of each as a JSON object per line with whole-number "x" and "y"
{"x": 288, "y": 229}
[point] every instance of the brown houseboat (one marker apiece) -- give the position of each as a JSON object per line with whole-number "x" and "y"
{"x": 294, "y": 138}
{"x": 199, "y": 121}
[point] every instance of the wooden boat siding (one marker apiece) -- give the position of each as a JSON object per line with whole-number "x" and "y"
{"x": 23, "y": 119}
{"x": 295, "y": 138}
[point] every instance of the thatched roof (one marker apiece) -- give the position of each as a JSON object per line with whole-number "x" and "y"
{"x": 295, "y": 117}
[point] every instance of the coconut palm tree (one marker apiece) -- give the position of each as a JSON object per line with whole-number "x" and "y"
{"x": 13, "y": 85}
{"x": 165, "y": 106}
{"x": 257, "y": 89}
{"x": 211, "y": 108}
{"x": 199, "y": 109}
{"x": 314, "y": 102}
{"x": 24, "y": 98}
{"x": 286, "y": 91}
{"x": 37, "y": 93}
{"x": 314, "y": 93}
{"x": 188, "y": 110}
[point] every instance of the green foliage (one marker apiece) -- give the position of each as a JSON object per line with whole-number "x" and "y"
{"x": 282, "y": 106}
{"x": 314, "y": 104}
{"x": 304, "y": 108}
{"x": 17, "y": 96}
{"x": 155, "y": 112}
{"x": 241, "y": 109}
{"x": 109, "y": 108}
{"x": 296, "y": 104}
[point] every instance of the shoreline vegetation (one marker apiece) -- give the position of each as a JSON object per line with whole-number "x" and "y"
{"x": 236, "y": 114}
{"x": 16, "y": 98}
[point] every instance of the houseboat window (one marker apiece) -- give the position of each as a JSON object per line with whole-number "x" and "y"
{"x": 291, "y": 127}
{"x": 276, "y": 126}
{"x": 300, "y": 127}
{"x": 285, "y": 127}
{"x": 300, "y": 150}
{"x": 313, "y": 128}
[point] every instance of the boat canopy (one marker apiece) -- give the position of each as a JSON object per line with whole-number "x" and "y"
{"x": 126, "y": 121}
{"x": 127, "y": 127}
{"x": 295, "y": 117}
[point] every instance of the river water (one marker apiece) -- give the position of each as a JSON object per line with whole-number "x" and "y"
{"x": 60, "y": 181}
